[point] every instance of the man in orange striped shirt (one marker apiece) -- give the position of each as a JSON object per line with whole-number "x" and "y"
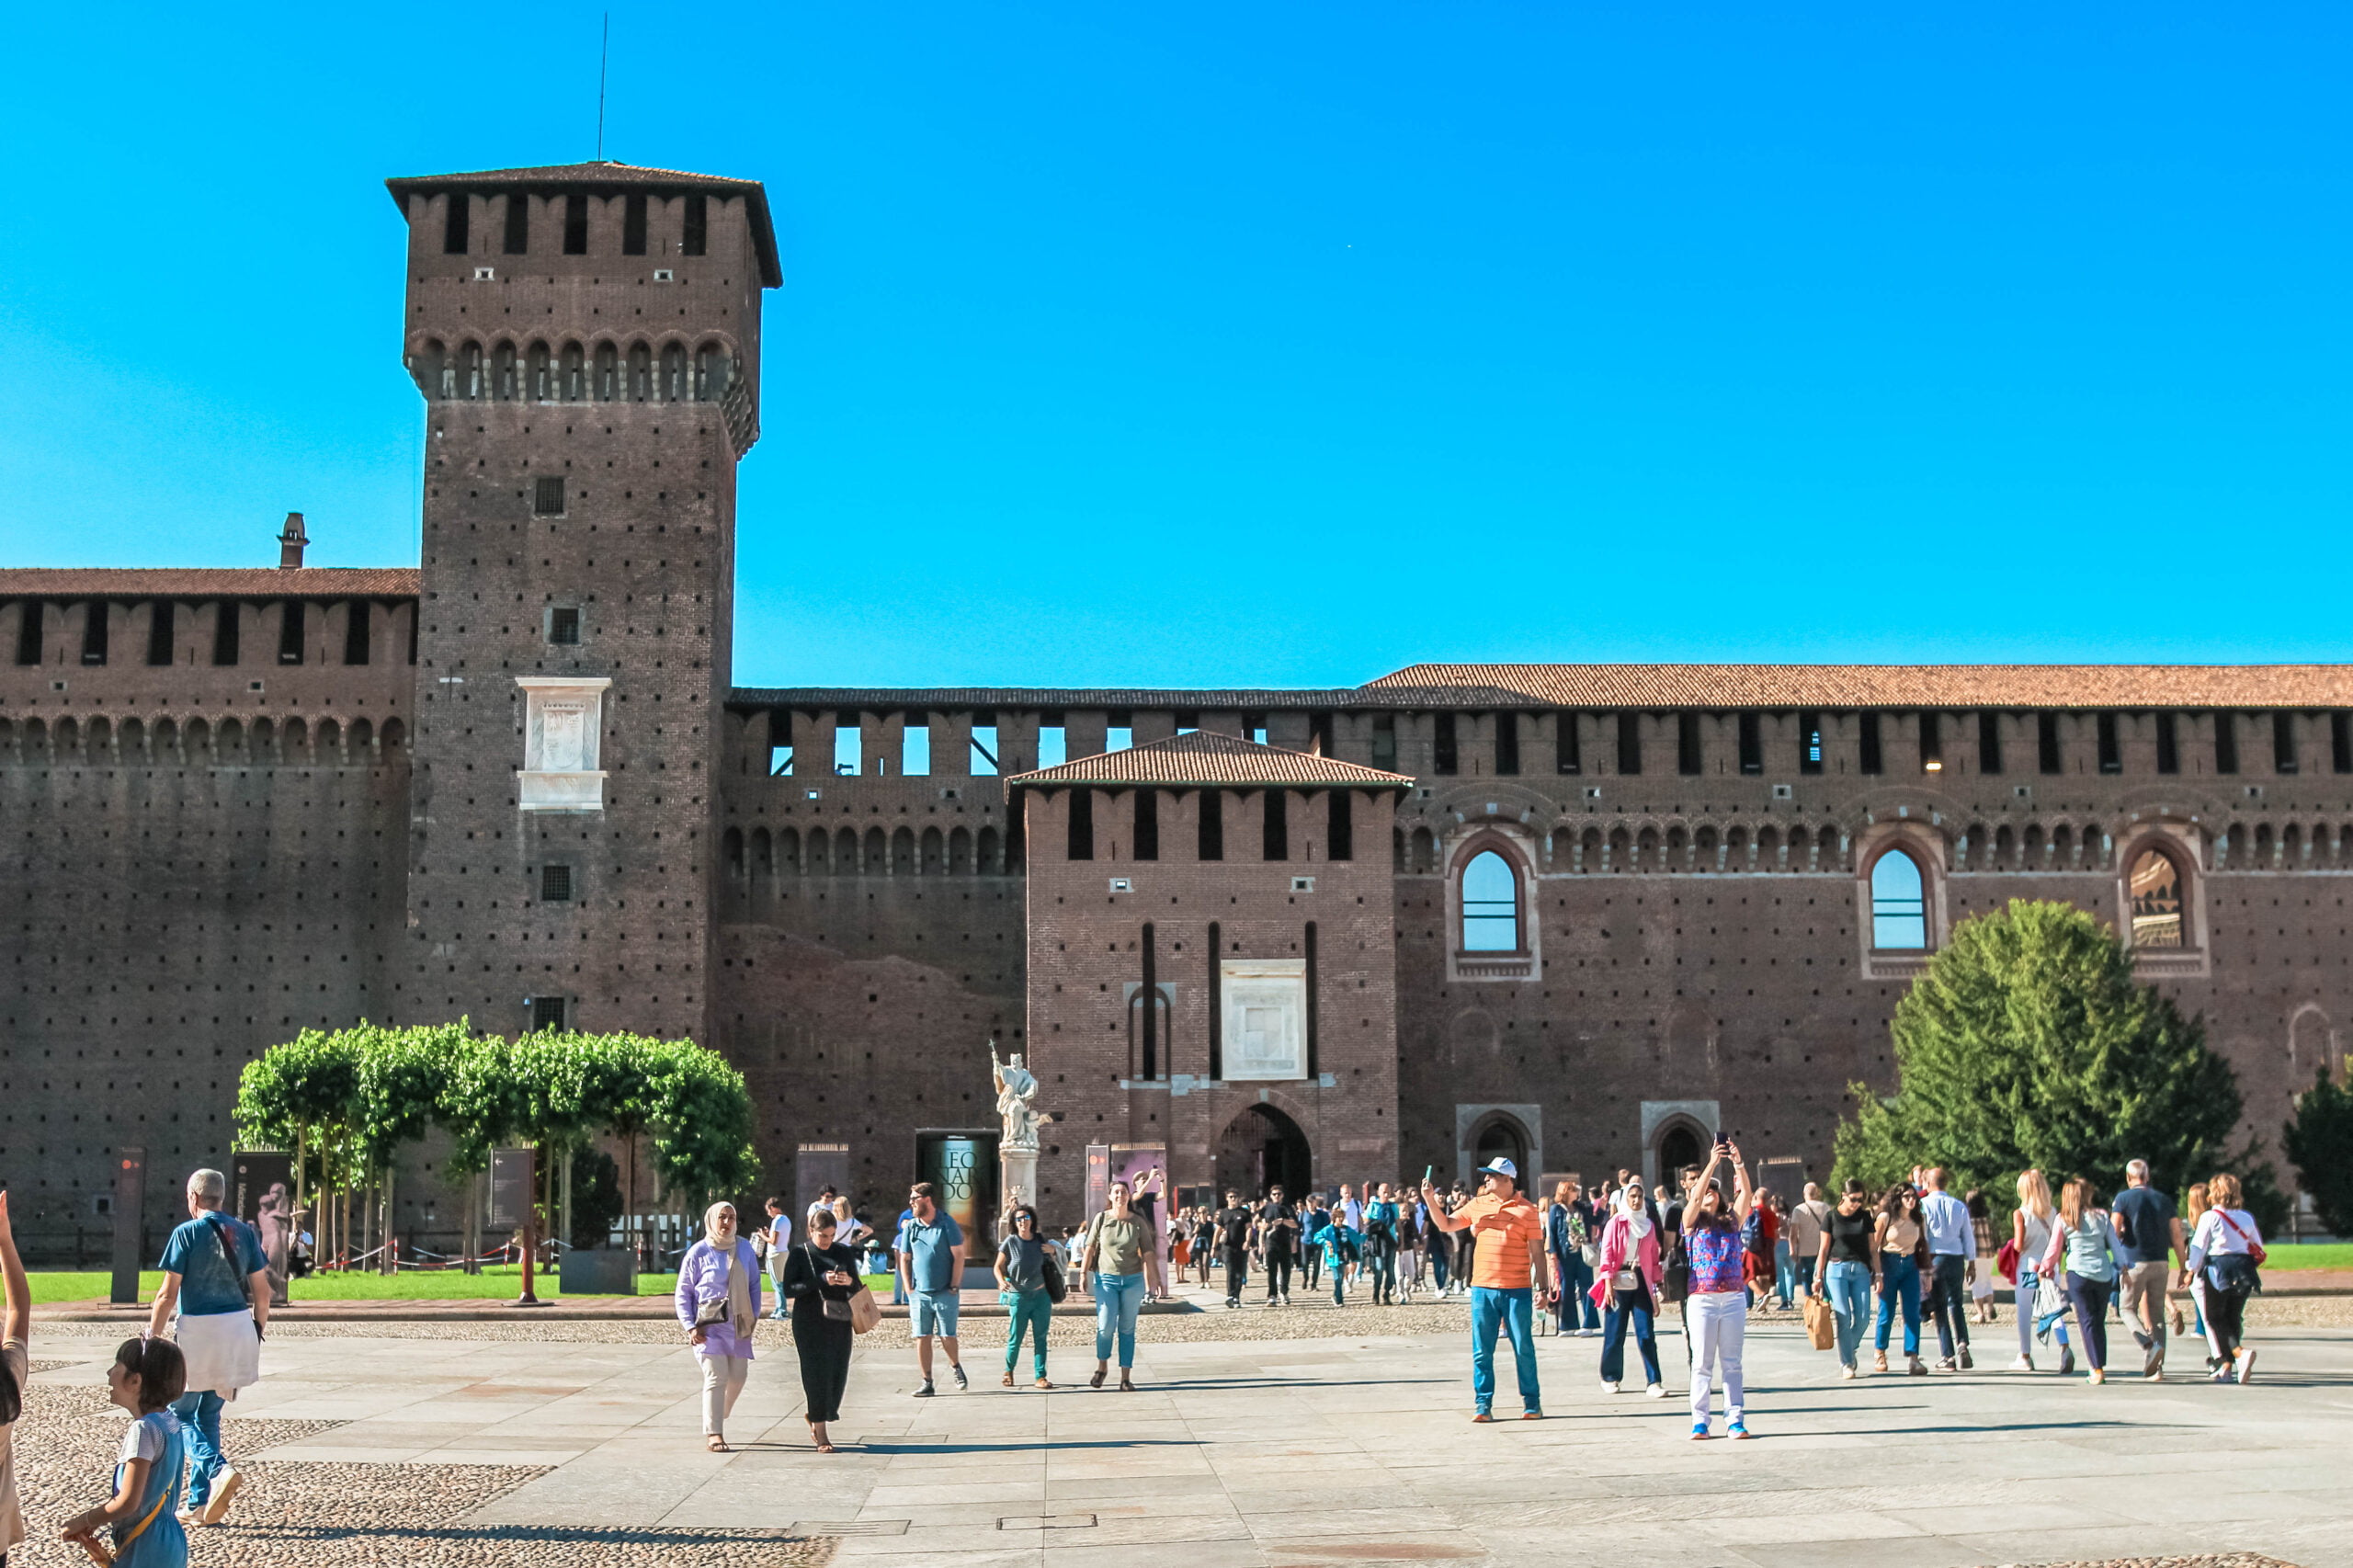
{"x": 1508, "y": 1278}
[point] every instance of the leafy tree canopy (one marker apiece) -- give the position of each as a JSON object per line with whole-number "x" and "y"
{"x": 2319, "y": 1141}
{"x": 2029, "y": 1043}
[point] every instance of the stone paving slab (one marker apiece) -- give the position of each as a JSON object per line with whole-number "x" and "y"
{"x": 1354, "y": 1449}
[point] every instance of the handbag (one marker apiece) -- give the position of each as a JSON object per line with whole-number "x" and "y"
{"x": 1821, "y": 1323}
{"x": 2006, "y": 1261}
{"x": 2253, "y": 1248}
{"x": 831, "y": 1307}
{"x": 1675, "y": 1278}
{"x": 1057, "y": 1287}
{"x": 865, "y": 1312}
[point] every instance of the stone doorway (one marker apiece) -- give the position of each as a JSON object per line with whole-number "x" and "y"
{"x": 1261, "y": 1148}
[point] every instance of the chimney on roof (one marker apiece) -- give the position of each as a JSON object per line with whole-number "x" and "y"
{"x": 290, "y": 543}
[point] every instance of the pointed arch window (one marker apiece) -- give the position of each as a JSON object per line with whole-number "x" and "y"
{"x": 1490, "y": 905}
{"x": 1899, "y": 903}
{"x": 2156, "y": 902}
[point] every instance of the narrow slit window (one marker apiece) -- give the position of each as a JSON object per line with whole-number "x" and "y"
{"x": 1989, "y": 743}
{"x": 695, "y": 237}
{"x": 289, "y": 632}
{"x": 355, "y": 633}
{"x": 847, "y": 745}
{"x": 633, "y": 225}
{"x": 2283, "y": 743}
{"x": 457, "y": 224}
{"x": 159, "y": 632}
{"x": 1211, "y": 834}
{"x": 1932, "y": 744}
{"x": 2226, "y": 742}
{"x": 1445, "y": 757}
{"x": 984, "y": 745}
{"x": 1082, "y": 824}
{"x": 1752, "y": 744}
{"x": 2048, "y": 756}
{"x": 2168, "y": 744}
{"x": 1870, "y": 759}
{"x": 1120, "y": 733}
{"x": 1688, "y": 757}
{"x": 1566, "y": 756}
{"x": 1339, "y": 834}
{"x": 781, "y": 745}
{"x": 518, "y": 224}
{"x": 1384, "y": 741}
{"x": 1507, "y": 744}
{"x": 1278, "y": 832}
{"x": 1319, "y": 733}
{"x": 94, "y": 632}
{"x": 1053, "y": 742}
{"x": 915, "y": 746}
{"x": 1810, "y": 748}
{"x": 1490, "y": 905}
{"x": 1899, "y": 903}
{"x": 1629, "y": 744}
{"x": 29, "y": 631}
{"x": 575, "y": 224}
{"x": 2340, "y": 742}
{"x": 224, "y": 632}
{"x": 1147, "y": 834}
{"x": 2111, "y": 749}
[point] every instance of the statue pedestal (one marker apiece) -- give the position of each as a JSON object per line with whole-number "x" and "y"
{"x": 1017, "y": 1172}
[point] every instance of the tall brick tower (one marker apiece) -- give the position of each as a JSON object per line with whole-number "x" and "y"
{"x": 586, "y": 339}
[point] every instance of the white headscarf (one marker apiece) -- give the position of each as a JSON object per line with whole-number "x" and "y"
{"x": 1637, "y": 1218}
{"x": 742, "y": 1313}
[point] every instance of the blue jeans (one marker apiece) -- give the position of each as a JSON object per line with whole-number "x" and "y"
{"x": 1900, "y": 1279}
{"x": 1510, "y": 1310}
{"x": 777, "y": 1281}
{"x": 1628, "y": 1307}
{"x": 1119, "y": 1298}
{"x": 200, "y": 1414}
{"x": 1031, "y": 1309}
{"x": 1577, "y": 1279}
{"x": 1847, "y": 1286}
{"x": 1785, "y": 1272}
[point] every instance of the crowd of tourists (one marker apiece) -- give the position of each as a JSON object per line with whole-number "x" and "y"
{"x": 1607, "y": 1264}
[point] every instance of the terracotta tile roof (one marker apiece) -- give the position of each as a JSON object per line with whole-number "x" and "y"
{"x": 1884, "y": 686}
{"x": 871, "y": 698}
{"x": 606, "y": 178}
{"x": 1207, "y": 758}
{"x": 207, "y": 582}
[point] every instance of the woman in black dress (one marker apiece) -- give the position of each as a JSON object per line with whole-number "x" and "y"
{"x": 819, "y": 1278}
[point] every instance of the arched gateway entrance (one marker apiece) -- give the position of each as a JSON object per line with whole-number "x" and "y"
{"x": 1260, "y": 1149}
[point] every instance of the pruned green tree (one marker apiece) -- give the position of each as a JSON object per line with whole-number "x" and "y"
{"x": 2030, "y": 1042}
{"x": 2319, "y": 1141}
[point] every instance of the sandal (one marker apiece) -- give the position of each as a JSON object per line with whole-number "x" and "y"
{"x": 1096, "y": 1380}
{"x": 1007, "y": 1379}
{"x": 717, "y": 1445}
{"x": 1126, "y": 1384}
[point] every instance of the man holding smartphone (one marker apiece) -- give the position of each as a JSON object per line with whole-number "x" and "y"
{"x": 1508, "y": 1278}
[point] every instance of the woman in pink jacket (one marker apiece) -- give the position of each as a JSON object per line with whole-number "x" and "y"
{"x": 1625, "y": 1287}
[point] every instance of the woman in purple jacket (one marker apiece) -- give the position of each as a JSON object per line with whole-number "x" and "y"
{"x": 719, "y": 1302}
{"x": 1625, "y": 1287}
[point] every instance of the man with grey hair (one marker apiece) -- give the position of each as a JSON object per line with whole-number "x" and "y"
{"x": 215, "y": 1274}
{"x": 2147, "y": 1230}
{"x": 1806, "y": 1222}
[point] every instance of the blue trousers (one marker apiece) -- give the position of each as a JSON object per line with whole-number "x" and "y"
{"x": 1575, "y": 1281}
{"x": 1849, "y": 1288}
{"x": 1032, "y": 1310}
{"x": 1508, "y": 1310}
{"x": 1900, "y": 1281}
{"x": 1119, "y": 1298}
{"x": 1627, "y": 1308}
{"x": 200, "y": 1414}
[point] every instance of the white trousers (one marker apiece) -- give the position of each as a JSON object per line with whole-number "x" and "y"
{"x": 1716, "y": 1323}
{"x": 722, "y": 1382}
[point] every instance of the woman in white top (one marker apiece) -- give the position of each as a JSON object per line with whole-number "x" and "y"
{"x": 2222, "y": 1251}
{"x": 2030, "y": 1231}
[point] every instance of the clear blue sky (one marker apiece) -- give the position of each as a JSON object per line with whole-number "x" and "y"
{"x": 1283, "y": 343}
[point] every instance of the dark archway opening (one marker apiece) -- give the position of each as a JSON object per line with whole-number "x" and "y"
{"x": 1260, "y": 1149}
{"x": 1501, "y": 1138}
{"x": 1679, "y": 1147}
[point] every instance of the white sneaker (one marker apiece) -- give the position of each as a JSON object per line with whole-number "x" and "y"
{"x": 2023, "y": 1364}
{"x": 1657, "y": 1391}
{"x": 1608, "y": 1387}
{"x": 2246, "y": 1368}
{"x": 1848, "y": 1372}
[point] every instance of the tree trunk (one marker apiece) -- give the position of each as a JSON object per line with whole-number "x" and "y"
{"x": 392, "y": 1259}
{"x": 628, "y": 1203}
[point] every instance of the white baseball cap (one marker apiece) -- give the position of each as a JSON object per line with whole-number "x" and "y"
{"x": 1501, "y": 1167}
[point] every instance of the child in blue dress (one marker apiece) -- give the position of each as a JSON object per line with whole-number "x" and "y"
{"x": 147, "y": 1375}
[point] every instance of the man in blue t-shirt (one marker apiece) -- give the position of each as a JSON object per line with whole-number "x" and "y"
{"x": 931, "y": 1266}
{"x": 214, "y": 1272}
{"x": 2147, "y": 1229}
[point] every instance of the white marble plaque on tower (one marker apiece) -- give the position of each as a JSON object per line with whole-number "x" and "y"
{"x": 1263, "y": 1004}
